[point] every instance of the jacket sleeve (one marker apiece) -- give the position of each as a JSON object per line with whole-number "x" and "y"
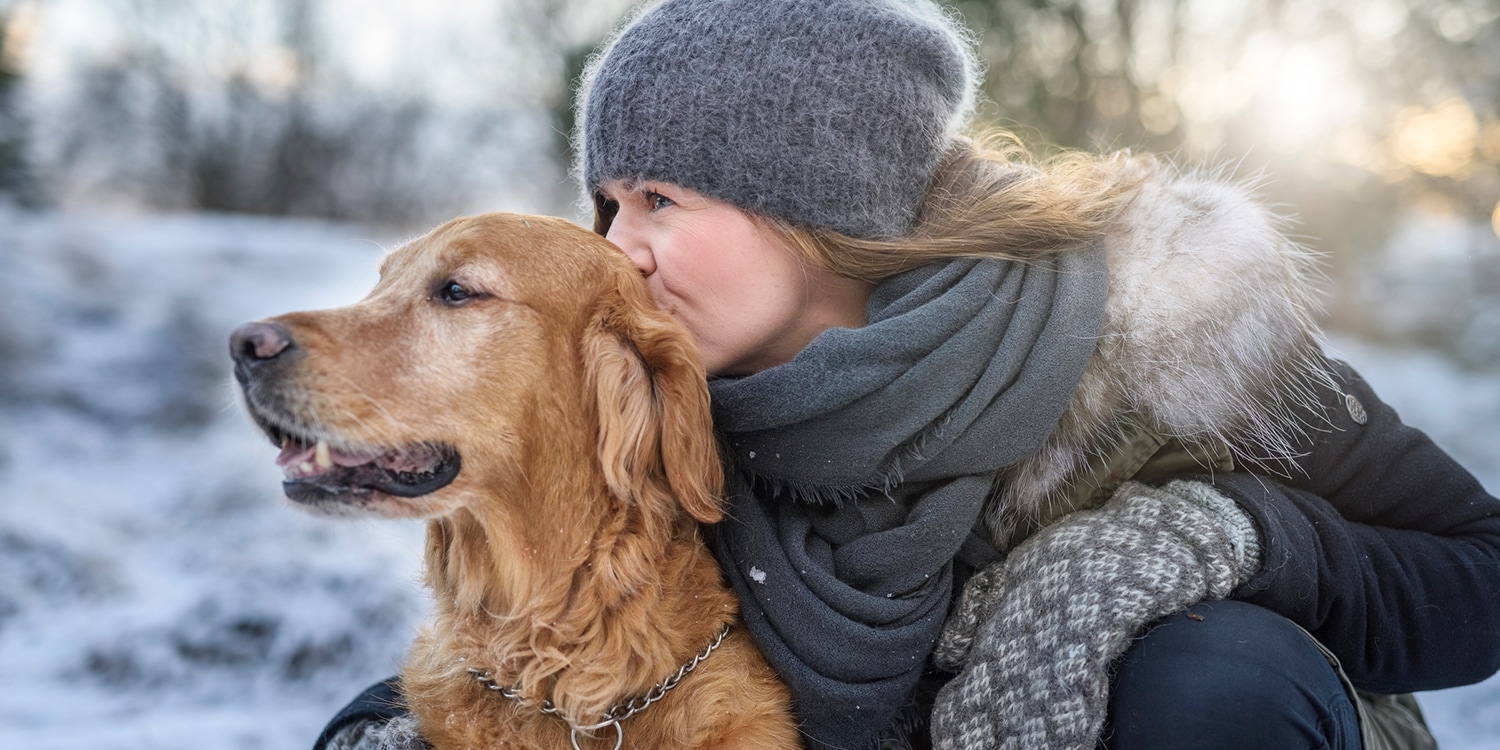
{"x": 1380, "y": 545}
{"x": 375, "y": 707}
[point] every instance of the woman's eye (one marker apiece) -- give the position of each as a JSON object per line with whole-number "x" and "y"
{"x": 454, "y": 293}
{"x": 657, "y": 201}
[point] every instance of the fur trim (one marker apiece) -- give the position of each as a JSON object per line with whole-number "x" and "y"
{"x": 1208, "y": 336}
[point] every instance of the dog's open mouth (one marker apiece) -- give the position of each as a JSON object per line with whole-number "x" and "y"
{"x": 317, "y": 471}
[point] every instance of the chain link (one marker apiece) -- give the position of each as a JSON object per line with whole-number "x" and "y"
{"x": 621, "y": 711}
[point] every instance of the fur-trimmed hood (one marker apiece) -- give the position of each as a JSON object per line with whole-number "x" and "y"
{"x": 1208, "y": 337}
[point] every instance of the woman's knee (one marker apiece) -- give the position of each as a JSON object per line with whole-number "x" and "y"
{"x": 1229, "y": 674}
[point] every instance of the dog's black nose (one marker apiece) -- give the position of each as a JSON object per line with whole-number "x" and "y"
{"x": 255, "y": 344}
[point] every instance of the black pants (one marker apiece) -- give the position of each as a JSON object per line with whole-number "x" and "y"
{"x": 1239, "y": 677}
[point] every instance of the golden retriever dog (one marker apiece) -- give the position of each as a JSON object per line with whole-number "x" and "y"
{"x": 509, "y": 380}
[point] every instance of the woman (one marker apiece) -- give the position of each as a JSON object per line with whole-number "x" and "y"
{"x": 1084, "y": 393}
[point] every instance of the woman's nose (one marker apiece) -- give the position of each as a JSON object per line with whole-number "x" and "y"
{"x": 633, "y": 245}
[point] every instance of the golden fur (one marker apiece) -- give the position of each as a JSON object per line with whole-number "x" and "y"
{"x": 565, "y": 556}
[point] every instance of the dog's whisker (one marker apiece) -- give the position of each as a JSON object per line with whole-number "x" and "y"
{"x": 384, "y": 433}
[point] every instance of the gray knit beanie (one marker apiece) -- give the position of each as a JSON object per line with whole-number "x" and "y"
{"x": 827, "y": 113}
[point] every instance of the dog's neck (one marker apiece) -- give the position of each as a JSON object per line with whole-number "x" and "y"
{"x": 596, "y": 603}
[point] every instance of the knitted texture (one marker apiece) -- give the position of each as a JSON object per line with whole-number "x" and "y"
{"x": 399, "y": 733}
{"x": 975, "y": 605}
{"x": 827, "y": 113}
{"x": 1068, "y": 603}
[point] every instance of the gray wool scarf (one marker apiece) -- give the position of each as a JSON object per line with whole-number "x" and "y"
{"x": 860, "y": 467}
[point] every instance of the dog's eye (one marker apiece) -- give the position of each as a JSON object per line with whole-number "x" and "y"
{"x": 454, "y": 293}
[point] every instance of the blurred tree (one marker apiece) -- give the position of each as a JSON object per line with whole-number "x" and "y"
{"x": 231, "y": 107}
{"x": 15, "y": 176}
{"x": 1403, "y": 89}
{"x": 1353, "y": 113}
{"x": 557, "y": 37}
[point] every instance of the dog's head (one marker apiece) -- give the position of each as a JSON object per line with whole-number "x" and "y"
{"x": 496, "y": 349}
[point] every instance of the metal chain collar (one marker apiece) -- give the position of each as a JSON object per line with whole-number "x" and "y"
{"x": 620, "y": 712}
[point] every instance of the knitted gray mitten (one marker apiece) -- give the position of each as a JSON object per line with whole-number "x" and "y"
{"x": 1067, "y": 602}
{"x": 975, "y": 605}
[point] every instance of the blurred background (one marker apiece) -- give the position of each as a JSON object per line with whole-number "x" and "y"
{"x": 169, "y": 169}
{"x": 1374, "y": 123}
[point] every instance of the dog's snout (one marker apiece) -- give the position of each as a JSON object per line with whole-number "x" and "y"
{"x": 255, "y": 344}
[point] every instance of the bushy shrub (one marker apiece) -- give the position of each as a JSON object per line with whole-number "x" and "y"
{"x": 15, "y": 179}
{"x": 134, "y": 128}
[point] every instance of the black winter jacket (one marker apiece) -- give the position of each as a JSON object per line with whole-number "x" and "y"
{"x": 1379, "y": 544}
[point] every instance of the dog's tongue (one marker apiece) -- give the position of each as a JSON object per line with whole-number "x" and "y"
{"x": 319, "y": 470}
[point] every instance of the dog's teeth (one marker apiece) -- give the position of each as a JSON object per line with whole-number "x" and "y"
{"x": 286, "y": 440}
{"x": 305, "y": 467}
{"x": 322, "y": 455}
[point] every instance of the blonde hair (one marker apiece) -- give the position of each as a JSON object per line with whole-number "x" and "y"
{"x": 990, "y": 198}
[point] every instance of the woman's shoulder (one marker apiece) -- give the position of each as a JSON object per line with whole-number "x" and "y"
{"x": 1210, "y": 312}
{"x": 1195, "y": 237}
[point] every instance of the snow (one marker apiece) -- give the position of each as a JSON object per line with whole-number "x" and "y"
{"x": 156, "y": 591}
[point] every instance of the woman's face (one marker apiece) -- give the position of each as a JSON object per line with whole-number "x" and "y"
{"x": 748, "y": 299}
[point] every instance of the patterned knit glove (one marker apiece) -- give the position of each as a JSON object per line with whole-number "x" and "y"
{"x": 1066, "y": 603}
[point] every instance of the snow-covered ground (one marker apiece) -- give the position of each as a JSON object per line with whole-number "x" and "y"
{"x": 157, "y": 593}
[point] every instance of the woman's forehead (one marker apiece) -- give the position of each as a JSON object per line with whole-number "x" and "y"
{"x": 632, "y": 185}
{"x": 621, "y": 185}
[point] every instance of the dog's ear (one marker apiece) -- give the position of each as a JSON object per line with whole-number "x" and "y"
{"x": 652, "y": 398}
